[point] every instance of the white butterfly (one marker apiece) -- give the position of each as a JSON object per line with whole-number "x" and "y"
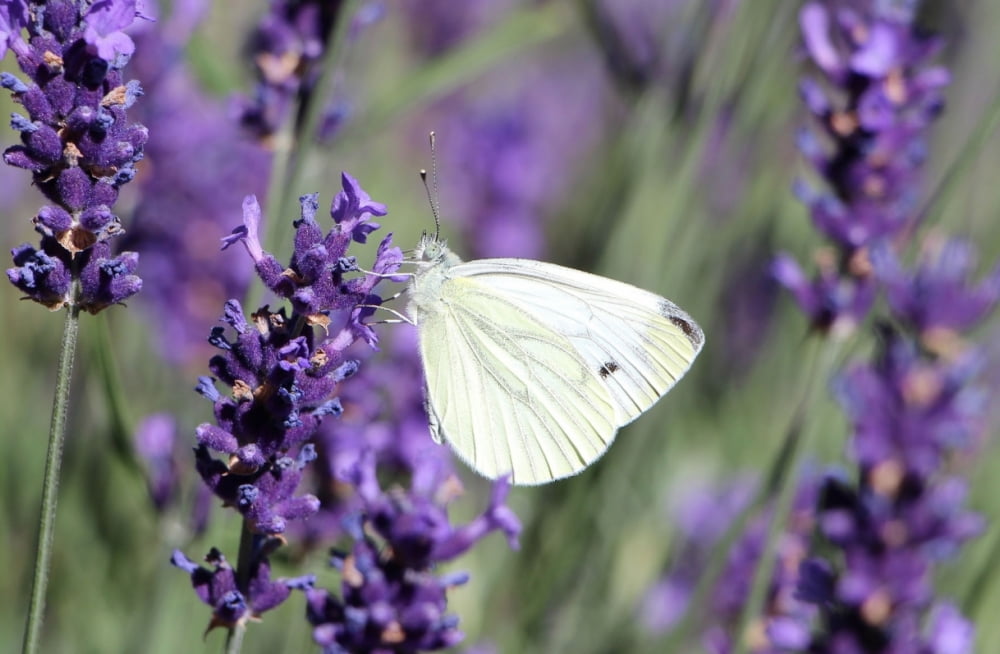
{"x": 531, "y": 368}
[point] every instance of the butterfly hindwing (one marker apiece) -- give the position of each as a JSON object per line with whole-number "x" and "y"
{"x": 507, "y": 391}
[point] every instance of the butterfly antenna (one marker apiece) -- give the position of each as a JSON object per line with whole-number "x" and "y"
{"x": 433, "y": 194}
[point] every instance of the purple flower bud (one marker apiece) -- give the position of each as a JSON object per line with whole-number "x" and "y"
{"x": 155, "y": 438}
{"x": 230, "y": 604}
{"x": 42, "y": 275}
{"x": 13, "y": 18}
{"x": 352, "y": 208}
{"x": 103, "y": 24}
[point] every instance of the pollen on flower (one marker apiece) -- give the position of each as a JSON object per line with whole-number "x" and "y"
{"x": 877, "y": 608}
{"x": 886, "y": 477}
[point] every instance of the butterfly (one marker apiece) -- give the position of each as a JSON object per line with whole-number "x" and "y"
{"x": 531, "y": 368}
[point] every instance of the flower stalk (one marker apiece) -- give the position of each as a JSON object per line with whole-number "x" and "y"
{"x": 50, "y": 483}
{"x": 80, "y": 148}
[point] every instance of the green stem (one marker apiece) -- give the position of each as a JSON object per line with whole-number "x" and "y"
{"x": 235, "y": 641}
{"x": 50, "y": 483}
{"x": 297, "y": 141}
{"x": 244, "y": 566}
{"x": 245, "y": 559}
{"x": 784, "y": 480}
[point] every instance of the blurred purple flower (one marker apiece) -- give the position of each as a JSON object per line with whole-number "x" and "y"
{"x": 855, "y": 561}
{"x": 13, "y": 19}
{"x": 938, "y": 299}
{"x": 877, "y": 103}
{"x": 909, "y": 411}
{"x": 710, "y": 512}
{"x": 155, "y": 440}
{"x": 832, "y": 301}
{"x": 436, "y": 26}
{"x": 702, "y": 513}
{"x": 201, "y": 167}
{"x": 512, "y": 153}
{"x": 288, "y": 48}
{"x": 80, "y": 148}
{"x": 916, "y": 404}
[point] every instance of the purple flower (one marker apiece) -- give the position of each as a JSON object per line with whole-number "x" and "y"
{"x": 392, "y": 426}
{"x": 908, "y": 410}
{"x": 13, "y": 19}
{"x": 702, "y": 513}
{"x": 834, "y": 302}
{"x": 288, "y": 48}
{"x": 949, "y": 632}
{"x": 282, "y": 374}
{"x": 316, "y": 281}
{"x": 103, "y": 24}
{"x": 390, "y": 600}
{"x": 45, "y": 276}
{"x": 868, "y": 575}
{"x": 282, "y": 388}
{"x": 77, "y": 142}
{"x": 219, "y": 589}
{"x": 938, "y": 298}
{"x": 876, "y": 103}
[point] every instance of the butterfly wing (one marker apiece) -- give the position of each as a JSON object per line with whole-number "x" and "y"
{"x": 636, "y": 343}
{"x": 509, "y": 393}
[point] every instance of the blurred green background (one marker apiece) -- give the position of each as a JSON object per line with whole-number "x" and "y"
{"x": 683, "y": 189}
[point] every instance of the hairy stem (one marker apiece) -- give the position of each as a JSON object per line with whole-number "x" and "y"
{"x": 50, "y": 482}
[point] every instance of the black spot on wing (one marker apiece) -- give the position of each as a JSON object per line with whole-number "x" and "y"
{"x": 690, "y": 330}
{"x": 608, "y": 368}
{"x": 672, "y": 312}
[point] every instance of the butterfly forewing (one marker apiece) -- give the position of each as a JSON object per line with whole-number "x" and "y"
{"x": 636, "y": 343}
{"x": 507, "y": 391}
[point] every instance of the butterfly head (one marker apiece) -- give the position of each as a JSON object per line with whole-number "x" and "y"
{"x": 432, "y": 250}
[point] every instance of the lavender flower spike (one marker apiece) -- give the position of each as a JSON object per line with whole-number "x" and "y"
{"x": 77, "y": 142}
{"x": 282, "y": 376}
{"x": 390, "y": 599}
{"x": 874, "y": 106}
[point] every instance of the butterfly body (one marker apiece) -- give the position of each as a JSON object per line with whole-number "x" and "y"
{"x": 531, "y": 368}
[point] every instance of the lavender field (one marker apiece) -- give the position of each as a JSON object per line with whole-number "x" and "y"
{"x": 206, "y": 203}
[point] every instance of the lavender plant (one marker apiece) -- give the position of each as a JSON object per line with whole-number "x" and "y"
{"x": 683, "y": 127}
{"x": 880, "y": 97}
{"x": 283, "y": 375}
{"x": 80, "y": 147}
{"x": 860, "y": 577}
